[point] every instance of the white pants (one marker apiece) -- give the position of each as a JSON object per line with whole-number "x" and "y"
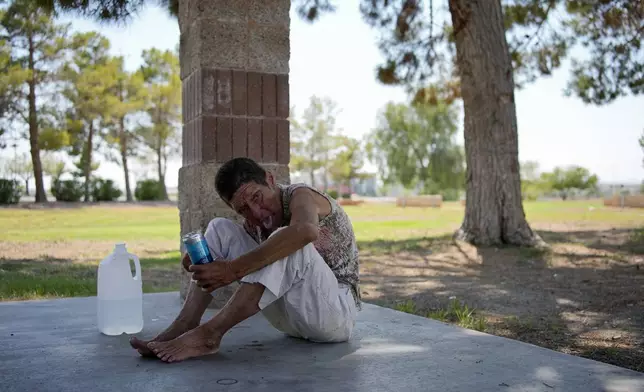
{"x": 302, "y": 297}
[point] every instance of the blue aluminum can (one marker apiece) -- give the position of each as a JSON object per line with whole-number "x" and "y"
{"x": 197, "y": 248}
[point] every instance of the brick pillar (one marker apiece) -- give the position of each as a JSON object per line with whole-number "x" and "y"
{"x": 234, "y": 72}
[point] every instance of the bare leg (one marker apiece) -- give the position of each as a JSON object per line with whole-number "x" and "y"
{"x": 226, "y": 240}
{"x": 206, "y": 338}
{"x": 189, "y": 317}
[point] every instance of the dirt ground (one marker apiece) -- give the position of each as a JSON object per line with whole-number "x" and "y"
{"x": 584, "y": 296}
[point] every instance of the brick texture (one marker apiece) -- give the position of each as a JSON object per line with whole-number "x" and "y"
{"x": 269, "y": 140}
{"x": 240, "y": 137}
{"x": 254, "y": 94}
{"x": 283, "y": 142}
{"x": 255, "y": 139}
{"x": 283, "y": 106}
{"x": 269, "y": 95}
{"x": 239, "y": 93}
{"x": 233, "y": 113}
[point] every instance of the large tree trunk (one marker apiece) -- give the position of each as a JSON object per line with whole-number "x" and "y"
{"x": 41, "y": 196}
{"x": 494, "y": 212}
{"x": 126, "y": 172}
{"x": 88, "y": 160}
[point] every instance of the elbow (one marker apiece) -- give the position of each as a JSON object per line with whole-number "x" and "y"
{"x": 308, "y": 232}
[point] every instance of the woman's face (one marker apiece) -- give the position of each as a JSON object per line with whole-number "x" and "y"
{"x": 259, "y": 204}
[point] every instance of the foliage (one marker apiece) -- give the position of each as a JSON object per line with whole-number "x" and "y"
{"x": 148, "y": 190}
{"x": 314, "y": 138}
{"x": 90, "y": 77}
{"x": 10, "y": 191}
{"x": 11, "y": 78}
{"x": 21, "y": 166}
{"x": 32, "y": 47}
{"x": 160, "y": 72}
{"x": 104, "y": 190}
{"x": 125, "y": 10}
{"x": 53, "y": 167}
{"x": 532, "y": 186}
{"x": 332, "y": 193}
{"x": 67, "y": 190}
{"x": 450, "y": 194}
{"x": 564, "y": 180}
{"x": 348, "y": 161}
{"x": 417, "y": 43}
{"x": 121, "y": 137}
{"x": 414, "y": 145}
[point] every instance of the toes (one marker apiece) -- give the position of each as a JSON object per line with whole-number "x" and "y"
{"x": 136, "y": 343}
{"x": 174, "y": 350}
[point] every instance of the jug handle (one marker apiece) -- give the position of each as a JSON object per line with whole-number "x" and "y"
{"x": 137, "y": 266}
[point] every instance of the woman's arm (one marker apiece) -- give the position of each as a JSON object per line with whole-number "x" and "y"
{"x": 302, "y": 230}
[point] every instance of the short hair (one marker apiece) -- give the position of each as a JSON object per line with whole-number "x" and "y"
{"x": 235, "y": 173}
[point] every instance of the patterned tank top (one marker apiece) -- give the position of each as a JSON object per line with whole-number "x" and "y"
{"x": 336, "y": 241}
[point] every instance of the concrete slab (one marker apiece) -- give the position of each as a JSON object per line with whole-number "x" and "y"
{"x": 55, "y": 346}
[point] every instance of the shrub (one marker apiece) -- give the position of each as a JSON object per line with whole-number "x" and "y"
{"x": 450, "y": 194}
{"x": 67, "y": 190}
{"x": 346, "y": 195}
{"x": 10, "y": 191}
{"x": 104, "y": 190}
{"x": 333, "y": 194}
{"x": 148, "y": 190}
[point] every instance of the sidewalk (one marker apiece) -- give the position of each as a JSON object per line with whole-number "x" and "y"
{"x": 54, "y": 346}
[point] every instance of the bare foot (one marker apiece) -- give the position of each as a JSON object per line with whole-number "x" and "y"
{"x": 177, "y": 328}
{"x": 200, "y": 341}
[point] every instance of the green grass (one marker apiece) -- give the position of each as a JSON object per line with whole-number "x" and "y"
{"x": 90, "y": 223}
{"x": 50, "y": 278}
{"x": 380, "y": 228}
{"x": 371, "y": 222}
{"x": 455, "y": 313}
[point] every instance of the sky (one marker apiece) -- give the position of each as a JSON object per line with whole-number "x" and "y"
{"x": 337, "y": 56}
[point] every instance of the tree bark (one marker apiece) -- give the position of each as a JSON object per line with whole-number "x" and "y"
{"x": 126, "y": 172}
{"x": 41, "y": 196}
{"x": 494, "y": 212}
{"x": 88, "y": 160}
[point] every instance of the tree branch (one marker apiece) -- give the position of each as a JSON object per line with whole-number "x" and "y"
{"x": 551, "y": 3}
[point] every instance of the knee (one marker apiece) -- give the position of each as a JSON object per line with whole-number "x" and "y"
{"x": 223, "y": 228}
{"x": 219, "y": 224}
{"x": 219, "y": 232}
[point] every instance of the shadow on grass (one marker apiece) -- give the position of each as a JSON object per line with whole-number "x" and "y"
{"x": 616, "y": 240}
{"x": 22, "y": 279}
{"x": 586, "y": 303}
{"x": 382, "y": 246}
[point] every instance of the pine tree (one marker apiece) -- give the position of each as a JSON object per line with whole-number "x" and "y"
{"x": 33, "y": 46}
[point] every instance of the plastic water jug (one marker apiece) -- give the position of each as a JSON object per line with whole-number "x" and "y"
{"x": 119, "y": 294}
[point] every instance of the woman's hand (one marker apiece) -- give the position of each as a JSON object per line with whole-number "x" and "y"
{"x": 214, "y": 275}
{"x": 186, "y": 262}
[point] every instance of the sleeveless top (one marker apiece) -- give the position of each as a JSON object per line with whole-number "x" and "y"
{"x": 336, "y": 241}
